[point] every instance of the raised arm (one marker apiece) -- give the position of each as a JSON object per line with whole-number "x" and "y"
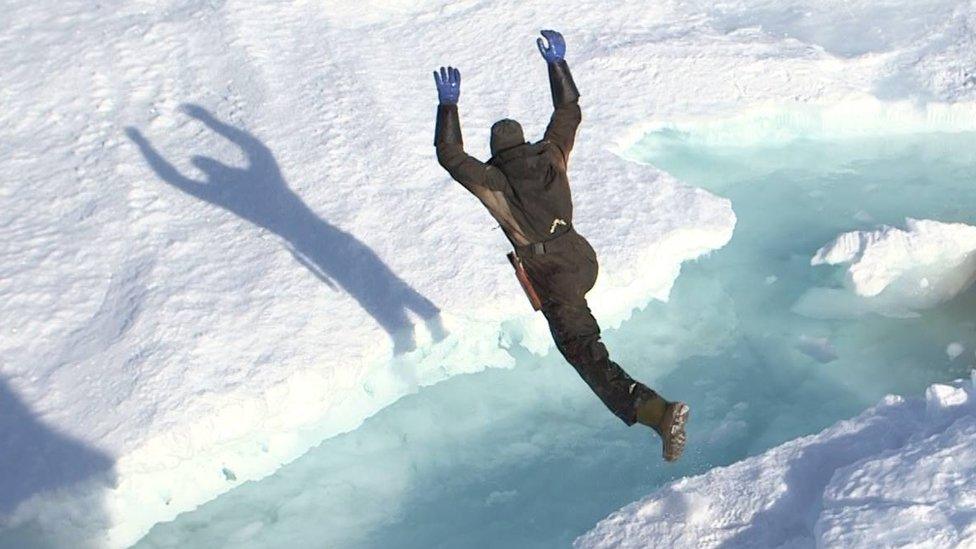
{"x": 566, "y": 115}
{"x": 464, "y": 168}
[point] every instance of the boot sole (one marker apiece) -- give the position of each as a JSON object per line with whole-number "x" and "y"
{"x": 674, "y": 442}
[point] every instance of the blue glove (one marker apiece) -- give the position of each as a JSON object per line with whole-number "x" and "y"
{"x": 448, "y": 85}
{"x": 557, "y": 46}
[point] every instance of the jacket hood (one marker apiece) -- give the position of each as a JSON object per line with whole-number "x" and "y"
{"x": 505, "y": 134}
{"x": 524, "y": 164}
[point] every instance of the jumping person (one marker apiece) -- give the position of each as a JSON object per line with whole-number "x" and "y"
{"x": 525, "y": 187}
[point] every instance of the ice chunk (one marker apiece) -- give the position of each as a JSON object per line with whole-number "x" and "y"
{"x": 846, "y": 248}
{"x": 817, "y": 348}
{"x": 733, "y": 425}
{"x": 955, "y": 350}
{"x": 895, "y": 271}
{"x": 930, "y": 254}
{"x": 499, "y": 497}
{"x": 940, "y": 397}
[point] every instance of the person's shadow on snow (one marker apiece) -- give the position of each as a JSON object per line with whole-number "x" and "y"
{"x": 259, "y": 194}
{"x": 36, "y": 458}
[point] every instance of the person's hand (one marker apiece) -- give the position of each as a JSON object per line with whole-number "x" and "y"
{"x": 448, "y": 85}
{"x": 556, "y": 49}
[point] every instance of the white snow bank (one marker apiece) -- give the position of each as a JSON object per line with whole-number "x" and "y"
{"x": 901, "y": 473}
{"x": 895, "y": 271}
{"x": 854, "y": 116}
{"x": 193, "y": 296}
{"x": 190, "y": 344}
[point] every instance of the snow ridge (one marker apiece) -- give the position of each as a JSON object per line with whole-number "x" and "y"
{"x": 900, "y": 473}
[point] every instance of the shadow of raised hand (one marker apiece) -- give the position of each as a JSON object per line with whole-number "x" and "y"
{"x": 259, "y": 194}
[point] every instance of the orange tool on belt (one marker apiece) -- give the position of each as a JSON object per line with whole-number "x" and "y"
{"x": 523, "y": 279}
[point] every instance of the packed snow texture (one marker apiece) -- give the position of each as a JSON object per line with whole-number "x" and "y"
{"x": 903, "y": 473}
{"x": 226, "y": 236}
{"x": 755, "y": 373}
{"x": 895, "y": 271}
{"x": 225, "y": 229}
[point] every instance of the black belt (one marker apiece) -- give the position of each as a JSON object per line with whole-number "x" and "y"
{"x": 556, "y": 243}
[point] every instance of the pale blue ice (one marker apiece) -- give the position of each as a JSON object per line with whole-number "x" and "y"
{"x": 528, "y": 457}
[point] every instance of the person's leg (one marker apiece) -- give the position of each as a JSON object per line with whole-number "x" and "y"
{"x": 577, "y": 336}
{"x": 564, "y": 280}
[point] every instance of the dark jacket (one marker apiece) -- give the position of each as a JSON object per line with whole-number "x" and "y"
{"x": 525, "y": 187}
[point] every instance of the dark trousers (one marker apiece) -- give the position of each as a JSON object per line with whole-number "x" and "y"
{"x": 562, "y": 276}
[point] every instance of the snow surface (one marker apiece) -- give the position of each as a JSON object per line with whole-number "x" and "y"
{"x": 903, "y": 473}
{"x": 221, "y": 218}
{"x": 163, "y": 342}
